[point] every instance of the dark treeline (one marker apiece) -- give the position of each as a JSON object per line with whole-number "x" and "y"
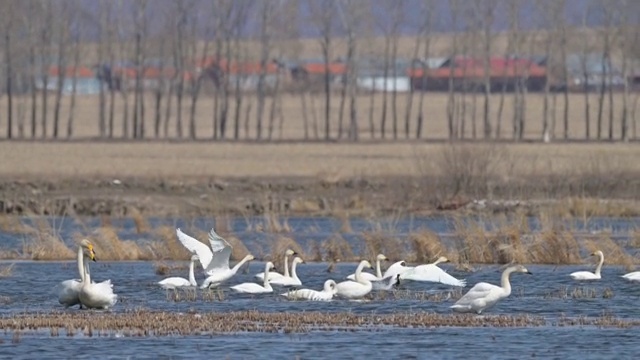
{"x": 236, "y": 69}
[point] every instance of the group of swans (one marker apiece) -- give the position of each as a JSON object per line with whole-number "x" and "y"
{"x": 596, "y": 275}
{"x": 83, "y": 291}
{"x": 426, "y": 272}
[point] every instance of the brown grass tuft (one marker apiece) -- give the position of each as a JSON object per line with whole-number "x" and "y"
{"x": 6, "y": 271}
{"x": 142, "y": 225}
{"x": 168, "y": 246}
{"x": 12, "y": 224}
{"x": 46, "y": 244}
{"x": 336, "y": 248}
{"x": 554, "y": 247}
{"x": 613, "y": 253}
{"x": 426, "y": 245}
{"x": 379, "y": 243}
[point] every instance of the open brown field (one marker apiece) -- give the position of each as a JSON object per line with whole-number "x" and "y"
{"x": 289, "y": 120}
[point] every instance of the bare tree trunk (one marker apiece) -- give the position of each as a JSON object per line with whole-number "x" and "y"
{"x": 385, "y": 74}
{"x": 74, "y": 83}
{"x": 487, "y": 24}
{"x": 45, "y": 43}
{"x": 9, "y": 72}
{"x": 32, "y": 69}
{"x": 451, "y": 98}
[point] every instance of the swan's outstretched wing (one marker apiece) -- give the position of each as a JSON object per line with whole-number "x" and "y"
{"x": 221, "y": 252}
{"x": 195, "y": 246}
{"x": 432, "y": 273}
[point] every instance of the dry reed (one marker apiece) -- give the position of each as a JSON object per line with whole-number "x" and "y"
{"x": 427, "y": 245}
{"x": 6, "y": 271}
{"x": 336, "y": 248}
{"x": 378, "y": 243}
{"x": 278, "y": 248}
{"x": 142, "y": 225}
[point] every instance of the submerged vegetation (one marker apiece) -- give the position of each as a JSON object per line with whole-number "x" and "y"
{"x": 136, "y": 323}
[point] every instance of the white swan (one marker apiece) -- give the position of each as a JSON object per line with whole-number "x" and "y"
{"x": 95, "y": 295}
{"x": 632, "y": 276}
{"x": 484, "y": 295}
{"x": 313, "y": 295}
{"x": 215, "y": 263}
{"x": 431, "y": 272}
{"x": 292, "y": 280}
{"x": 69, "y": 290}
{"x": 176, "y": 281}
{"x": 355, "y": 289}
{"x": 274, "y": 275}
{"x": 369, "y": 276}
{"x": 395, "y": 269}
{"x": 253, "y": 288}
{"x": 587, "y": 275}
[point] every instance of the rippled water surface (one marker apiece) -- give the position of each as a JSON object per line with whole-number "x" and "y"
{"x": 549, "y": 293}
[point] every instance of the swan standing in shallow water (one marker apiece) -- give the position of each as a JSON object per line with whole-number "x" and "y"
{"x": 95, "y": 295}
{"x": 253, "y": 288}
{"x": 431, "y": 272}
{"x": 176, "y": 281}
{"x": 292, "y": 280}
{"x": 274, "y": 275}
{"x": 355, "y": 289}
{"x": 313, "y": 295}
{"x": 632, "y": 276}
{"x": 214, "y": 259}
{"x": 69, "y": 290}
{"x": 587, "y": 275}
{"x": 369, "y": 276}
{"x": 484, "y": 295}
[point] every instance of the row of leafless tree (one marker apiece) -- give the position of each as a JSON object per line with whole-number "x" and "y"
{"x": 175, "y": 34}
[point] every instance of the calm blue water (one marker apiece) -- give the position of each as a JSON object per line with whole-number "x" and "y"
{"x": 30, "y": 289}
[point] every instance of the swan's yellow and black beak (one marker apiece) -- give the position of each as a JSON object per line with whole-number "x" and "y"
{"x": 92, "y": 253}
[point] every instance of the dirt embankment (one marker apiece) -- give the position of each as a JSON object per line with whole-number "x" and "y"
{"x": 285, "y": 195}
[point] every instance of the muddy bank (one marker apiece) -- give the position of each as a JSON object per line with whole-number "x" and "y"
{"x": 306, "y": 196}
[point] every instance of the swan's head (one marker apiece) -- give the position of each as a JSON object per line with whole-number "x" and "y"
{"x": 330, "y": 286}
{"x": 298, "y": 260}
{"x": 381, "y": 257}
{"x": 249, "y": 257}
{"x": 366, "y": 264}
{"x": 403, "y": 263}
{"x": 522, "y": 269}
{"x": 290, "y": 252}
{"x": 195, "y": 258}
{"x": 88, "y": 246}
{"x": 270, "y": 266}
{"x": 597, "y": 253}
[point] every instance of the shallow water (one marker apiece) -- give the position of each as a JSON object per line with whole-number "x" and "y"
{"x": 542, "y": 294}
{"x": 547, "y": 293}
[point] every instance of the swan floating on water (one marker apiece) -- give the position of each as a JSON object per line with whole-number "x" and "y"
{"x": 292, "y": 280}
{"x": 253, "y": 288}
{"x": 313, "y": 295}
{"x": 431, "y": 272}
{"x": 355, "y": 289}
{"x": 214, "y": 259}
{"x": 69, "y": 290}
{"x": 176, "y": 281}
{"x": 95, "y": 295}
{"x": 369, "y": 276}
{"x": 484, "y": 295}
{"x": 587, "y": 275}
{"x": 274, "y": 275}
{"x": 632, "y": 276}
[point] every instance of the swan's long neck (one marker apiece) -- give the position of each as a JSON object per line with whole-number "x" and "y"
{"x": 358, "y": 272}
{"x": 238, "y": 265}
{"x": 87, "y": 272}
{"x": 294, "y": 275}
{"x": 504, "y": 281}
{"x": 286, "y": 265}
{"x": 378, "y": 270}
{"x": 80, "y": 263}
{"x": 599, "y": 267}
{"x": 265, "y": 283}
{"x": 192, "y": 278}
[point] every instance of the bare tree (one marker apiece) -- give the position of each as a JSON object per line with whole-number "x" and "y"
{"x": 628, "y": 36}
{"x": 75, "y": 22}
{"x": 196, "y": 81}
{"x": 451, "y": 98}
{"x": 61, "y": 32}
{"x": 140, "y": 25}
{"x": 487, "y": 8}
{"x": 45, "y": 45}
{"x": 7, "y": 19}
{"x": 428, "y": 12}
{"x": 267, "y": 12}
{"x": 31, "y": 20}
{"x": 323, "y": 13}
